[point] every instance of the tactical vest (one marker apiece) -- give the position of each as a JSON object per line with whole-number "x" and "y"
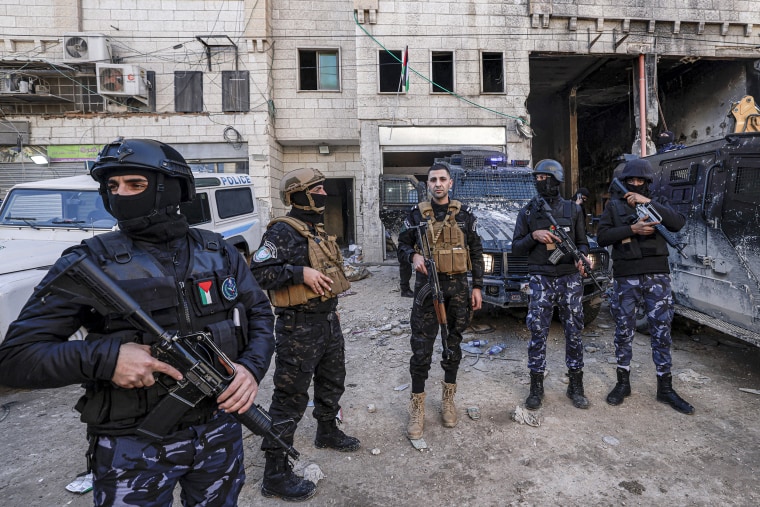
{"x": 636, "y": 246}
{"x": 537, "y": 220}
{"x": 324, "y": 256}
{"x": 209, "y": 299}
{"x": 447, "y": 240}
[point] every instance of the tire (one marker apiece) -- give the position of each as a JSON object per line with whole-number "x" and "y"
{"x": 590, "y": 312}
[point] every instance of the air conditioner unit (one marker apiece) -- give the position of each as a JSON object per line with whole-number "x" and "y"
{"x": 122, "y": 80}
{"x": 86, "y": 48}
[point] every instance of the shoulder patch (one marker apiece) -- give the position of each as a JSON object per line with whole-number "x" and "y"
{"x": 265, "y": 252}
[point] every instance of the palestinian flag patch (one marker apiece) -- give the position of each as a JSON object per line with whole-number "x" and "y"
{"x": 204, "y": 291}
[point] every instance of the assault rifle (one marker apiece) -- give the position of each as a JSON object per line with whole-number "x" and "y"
{"x": 194, "y": 355}
{"x": 434, "y": 286}
{"x": 566, "y": 244}
{"x": 644, "y": 211}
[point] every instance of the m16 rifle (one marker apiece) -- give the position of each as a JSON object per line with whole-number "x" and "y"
{"x": 566, "y": 245}
{"x": 647, "y": 212}
{"x": 434, "y": 287}
{"x": 194, "y": 355}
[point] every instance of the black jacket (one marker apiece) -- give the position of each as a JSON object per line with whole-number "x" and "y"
{"x": 37, "y": 353}
{"x": 532, "y": 218}
{"x": 633, "y": 254}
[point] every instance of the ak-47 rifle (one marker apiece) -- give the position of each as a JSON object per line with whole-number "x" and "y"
{"x": 194, "y": 355}
{"x": 434, "y": 285}
{"x": 647, "y": 211}
{"x": 566, "y": 244}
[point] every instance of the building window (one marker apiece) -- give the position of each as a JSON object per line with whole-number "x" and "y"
{"x": 442, "y": 70}
{"x": 318, "y": 70}
{"x": 188, "y": 92}
{"x": 390, "y": 71}
{"x": 493, "y": 73}
{"x": 235, "y": 91}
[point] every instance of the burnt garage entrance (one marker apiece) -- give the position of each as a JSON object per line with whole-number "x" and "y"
{"x": 584, "y": 109}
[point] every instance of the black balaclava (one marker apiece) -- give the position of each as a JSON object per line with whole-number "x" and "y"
{"x": 549, "y": 188}
{"x": 151, "y": 215}
{"x": 639, "y": 189}
{"x": 311, "y": 214}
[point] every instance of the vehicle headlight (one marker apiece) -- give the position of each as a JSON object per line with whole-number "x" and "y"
{"x": 595, "y": 260}
{"x": 488, "y": 263}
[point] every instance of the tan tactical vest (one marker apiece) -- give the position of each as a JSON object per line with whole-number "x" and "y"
{"x": 447, "y": 240}
{"x": 324, "y": 256}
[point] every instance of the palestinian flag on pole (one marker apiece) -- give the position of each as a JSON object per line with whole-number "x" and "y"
{"x": 405, "y": 70}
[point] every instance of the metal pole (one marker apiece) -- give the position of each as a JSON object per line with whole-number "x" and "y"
{"x": 642, "y": 106}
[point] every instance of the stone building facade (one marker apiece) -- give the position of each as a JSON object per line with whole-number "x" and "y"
{"x": 265, "y": 86}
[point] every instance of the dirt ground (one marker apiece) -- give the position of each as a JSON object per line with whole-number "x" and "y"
{"x": 640, "y": 453}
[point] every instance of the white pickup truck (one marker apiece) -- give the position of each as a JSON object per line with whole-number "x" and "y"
{"x": 41, "y": 219}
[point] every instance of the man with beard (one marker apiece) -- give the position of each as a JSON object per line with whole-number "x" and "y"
{"x": 456, "y": 248}
{"x": 302, "y": 268}
{"x": 555, "y": 280}
{"x": 641, "y": 276}
{"x": 143, "y": 443}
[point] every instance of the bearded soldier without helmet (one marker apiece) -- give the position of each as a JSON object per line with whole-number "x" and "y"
{"x": 302, "y": 268}
{"x": 452, "y": 235}
{"x": 185, "y": 279}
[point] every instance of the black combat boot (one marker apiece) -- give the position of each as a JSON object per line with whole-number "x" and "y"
{"x": 575, "y": 389}
{"x": 533, "y": 402}
{"x": 666, "y": 394}
{"x": 280, "y": 482}
{"x": 622, "y": 389}
{"x": 406, "y": 291}
{"x": 328, "y": 435}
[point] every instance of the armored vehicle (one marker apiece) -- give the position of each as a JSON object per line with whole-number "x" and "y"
{"x": 496, "y": 192}
{"x": 716, "y": 185}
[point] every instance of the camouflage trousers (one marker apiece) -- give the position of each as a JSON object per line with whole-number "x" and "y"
{"x": 425, "y": 327}
{"x": 654, "y": 292}
{"x": 566, "y": 293}
{"x": 309, "y": 345}
{"x": 206, "y": 460}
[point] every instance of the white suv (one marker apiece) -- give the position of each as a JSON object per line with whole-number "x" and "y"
{"x": 39, "y": 220}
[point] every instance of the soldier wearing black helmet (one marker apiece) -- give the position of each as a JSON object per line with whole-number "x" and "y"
{"x": 185, "y": 279}
{"x": 302, "y": 268}
{"x": 641, "y": 276}
{"x": 553, "y": 281}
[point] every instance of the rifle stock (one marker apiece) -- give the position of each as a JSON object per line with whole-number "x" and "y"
{"x": 644, "y": 211}
{"x": 84, "y": 282}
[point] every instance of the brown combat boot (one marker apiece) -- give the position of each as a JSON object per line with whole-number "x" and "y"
{"x": 448, "y": 410}
{"x": 416, "y": 416}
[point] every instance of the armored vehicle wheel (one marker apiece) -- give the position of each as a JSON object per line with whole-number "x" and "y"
{"x": 590, "y": 312}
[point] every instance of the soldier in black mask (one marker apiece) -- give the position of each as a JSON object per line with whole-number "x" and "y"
{"x": 185, "y": 279}
{"x": 553, "y": 281}
{"x": 302, "y": 268}
{"x": 641, "y": 275}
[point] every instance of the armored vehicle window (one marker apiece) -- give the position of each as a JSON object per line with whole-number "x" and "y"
{"x": 489, "y": 185}
{"x": 233, "y": 202}
{"x": 748, "y": 181}
{"x": 198, "y": 211}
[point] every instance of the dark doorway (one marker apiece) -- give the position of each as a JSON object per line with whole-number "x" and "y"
{"x": 339, "y": 210}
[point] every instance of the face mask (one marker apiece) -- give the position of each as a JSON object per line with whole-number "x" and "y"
{"x": 639, "y": 189}
{"x": 547, "y": 188}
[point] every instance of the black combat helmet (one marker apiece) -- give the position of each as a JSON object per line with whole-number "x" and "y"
{"x": 550, "y": 167}
{"x": 145, "y": 155}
